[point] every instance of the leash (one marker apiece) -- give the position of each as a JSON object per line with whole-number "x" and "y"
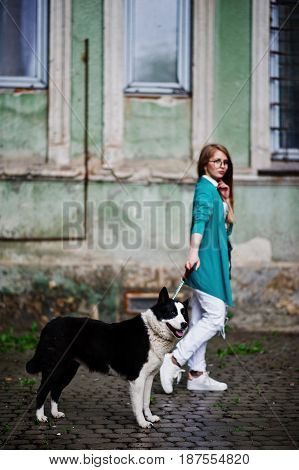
{"x": 182, "y": 281}
{"x": 180, "y": 285}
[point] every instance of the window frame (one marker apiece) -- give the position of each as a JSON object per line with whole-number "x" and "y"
{"x": 203, "y": 36}
{"x": 183, "y": 86}
{"x": 262, "y": 164}
{"x": 41, "y": 56}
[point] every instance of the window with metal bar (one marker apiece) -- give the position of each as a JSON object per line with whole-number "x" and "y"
{"x": 284, "y": 79}
{"x": 23, "y": 43}
{"x": 157, "y": 46}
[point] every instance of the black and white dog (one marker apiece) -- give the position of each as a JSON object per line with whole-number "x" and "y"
{"x": 133, "y": 349}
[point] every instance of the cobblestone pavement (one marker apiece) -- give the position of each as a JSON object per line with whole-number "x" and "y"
{"x": 259, "y": 410}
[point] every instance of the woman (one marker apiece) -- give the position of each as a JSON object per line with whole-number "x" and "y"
{"x": 209, "y": 253}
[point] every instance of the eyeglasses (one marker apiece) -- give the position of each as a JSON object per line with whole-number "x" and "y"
{"x": 218, "y": 163}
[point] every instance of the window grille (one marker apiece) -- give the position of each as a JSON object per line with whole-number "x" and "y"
{"x": 284, "y": 79}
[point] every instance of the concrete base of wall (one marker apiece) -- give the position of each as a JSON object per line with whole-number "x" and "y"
{"x": 266, "y": 296}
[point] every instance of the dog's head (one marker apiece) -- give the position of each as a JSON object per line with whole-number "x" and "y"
{"x": 174, "y": 314}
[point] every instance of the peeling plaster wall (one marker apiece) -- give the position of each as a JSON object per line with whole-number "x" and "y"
{"x": 266, "y": 296}
{"x": 23, "y": 125}
{"x": 35, "y": 209}
{"x": 157, "y": 128}
{"x": 270, "y": 212}
{"x": 138, "y": 234}
{"x": 151, "y": 221}
{"x": 138, "y": 240}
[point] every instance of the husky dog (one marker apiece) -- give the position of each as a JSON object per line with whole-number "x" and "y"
{"x": 133, "y": 349}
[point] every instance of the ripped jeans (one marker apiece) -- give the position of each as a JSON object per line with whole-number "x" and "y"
{"x": 208, "y": 318}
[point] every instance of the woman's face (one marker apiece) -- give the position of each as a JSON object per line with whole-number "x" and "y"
{"x": 213, "y": 167}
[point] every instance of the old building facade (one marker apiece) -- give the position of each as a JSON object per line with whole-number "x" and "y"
{"x": 103, "y": 115}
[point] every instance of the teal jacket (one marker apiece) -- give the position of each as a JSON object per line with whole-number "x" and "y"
{"x": 212, "y": 276}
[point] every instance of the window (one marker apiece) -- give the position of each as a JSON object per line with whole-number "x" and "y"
{"x": 157, "y": 46}
{"x": 23, "y": 43}
{"x": 284, "y": 79}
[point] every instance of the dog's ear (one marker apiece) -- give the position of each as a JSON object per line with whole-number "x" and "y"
{"x": 185, "y": 314}
{"x": 163, "y": 296}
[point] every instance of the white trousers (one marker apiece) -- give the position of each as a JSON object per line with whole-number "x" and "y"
{"x": 208, "y": 318}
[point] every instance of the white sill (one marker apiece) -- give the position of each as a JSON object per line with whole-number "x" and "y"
{"x": 172, "y": 171}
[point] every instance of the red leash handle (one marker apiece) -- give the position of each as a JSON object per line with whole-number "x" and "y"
{"x": 188, "y": 272}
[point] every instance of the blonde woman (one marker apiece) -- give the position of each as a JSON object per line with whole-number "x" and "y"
{"x": 209, "y": 255}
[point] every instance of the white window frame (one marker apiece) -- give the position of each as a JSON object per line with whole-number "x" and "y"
{"x": 40, "y": 79}
{"x": 183, "y": 86}
{"x": 202, "y": 83}
{"x": 278, "y": 153}
{"x": 59, "y": 89}
{"x": 260, "y": 86}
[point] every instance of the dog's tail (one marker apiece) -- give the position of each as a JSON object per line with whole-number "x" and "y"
{"x": 33, "y": 366}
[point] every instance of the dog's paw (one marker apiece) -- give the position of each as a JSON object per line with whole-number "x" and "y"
{"x": 42, "y": 419}
{"x": 58, "y": 414}
{"x": 145, "y": 424}
{"x": 153, "y": 418}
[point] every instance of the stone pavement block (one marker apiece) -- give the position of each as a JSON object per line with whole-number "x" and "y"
{"x": 141, "y": 445}
{"x": 184, "y": 445}
{"x": 259, "y": 410}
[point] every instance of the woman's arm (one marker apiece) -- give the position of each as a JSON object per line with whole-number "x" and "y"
{"x": 193, "y": 251}
{"x": 201, "y": 212}
{"x": 224, "y": 191}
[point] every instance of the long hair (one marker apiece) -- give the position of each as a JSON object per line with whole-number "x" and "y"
{"x": 206, "y": 154}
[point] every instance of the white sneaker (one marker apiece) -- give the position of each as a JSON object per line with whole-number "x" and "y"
{"x": 205, "y": 383}
{"x": 168, "y": 372}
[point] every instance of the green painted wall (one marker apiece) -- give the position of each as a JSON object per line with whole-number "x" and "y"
{"x": 163, "y": 215}
{"x": 87, "y": 23}
{"x": 143, "y": 222}
{"x": 150, "y": 223}
{"x": 35, "y": 209}
{"x": 153, "y": 128}
{"x": 231, "y": 78}
{"x": 23, "y": 125}
{"x": 157, "y": 128}
{"x": 269, "y": 212}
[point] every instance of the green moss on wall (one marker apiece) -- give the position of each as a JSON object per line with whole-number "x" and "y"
{"x": 32, "y": 293}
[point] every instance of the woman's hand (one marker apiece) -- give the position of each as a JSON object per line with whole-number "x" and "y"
{"x": 223, "y": 190}
{"x": 192, "y": 259}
